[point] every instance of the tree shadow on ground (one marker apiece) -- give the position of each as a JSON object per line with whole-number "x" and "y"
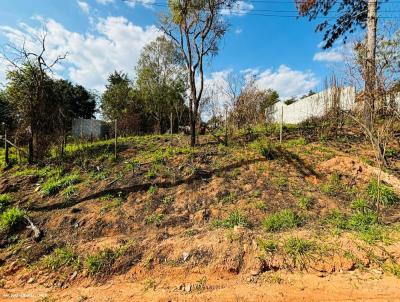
{"x": 195, "y": 176}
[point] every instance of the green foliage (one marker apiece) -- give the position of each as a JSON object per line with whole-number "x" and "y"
{"x": 235, "y": 218}
{"x": 267, "y": 246}
{"x": 10, "y": 218}
{"x": 99, "y": 262}
{"x": 306, "y": 202}
{"x": 296, "y": 142}
{"x": 295, "y": 246}
{"x": 228, "y": 198}
{"x": 333, "y": 186}
{"x": 5, "y": 200}
{"x": 61, "y": 257}
{"x": 103, "y": 260}
{"x": 266, "y": 149}
{"x": 382, "y": 193}
{"x": 283, "y": 220}
{"x": 53, "y": 185}
{"x": 280, "y": 182}
{"x": 110, "y": 202}
{"x": 336, "y": 219}
{"x": 156, "y": 219}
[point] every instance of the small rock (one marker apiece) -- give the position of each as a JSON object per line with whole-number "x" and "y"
{"x": 185, "y": 256}
{"x": 31, "y": 280}
{"x": 73, "y": 276}
{"x": 188, "y": 288}
{"x": 254, "y": 272}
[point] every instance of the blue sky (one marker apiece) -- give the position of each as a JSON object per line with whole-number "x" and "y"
{"x": 103, "y": 35}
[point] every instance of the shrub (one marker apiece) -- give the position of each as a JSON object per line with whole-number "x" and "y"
{"x": 10, "y": 218}
{"x": 61, "y": 257}
{"x": 382, "y": 193}
{"x": 5, "y": 200}
{"x": 283, "y": 220}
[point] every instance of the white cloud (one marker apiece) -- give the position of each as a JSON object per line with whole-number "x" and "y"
{"x": 238, "y": 31}
{"x": 115, "y": 45}
{"x": 334, "y": 55}
{"x": 105, "y": 1}
{"x": 329, "y": 56}
{"x": 286, "y": 81}
{"x": 239, "y": 8}
{"x": 146, "y": 3}
{"x": 83, "y": 6}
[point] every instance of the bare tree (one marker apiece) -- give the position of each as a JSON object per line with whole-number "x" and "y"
{"x": 20, "y": 58}
{"x": 196, "y": 27}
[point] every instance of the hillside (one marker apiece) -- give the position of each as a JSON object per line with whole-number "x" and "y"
{"x": 252, "y": 221}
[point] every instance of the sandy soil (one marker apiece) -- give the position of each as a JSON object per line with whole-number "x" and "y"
{"x": 351, "y": 286}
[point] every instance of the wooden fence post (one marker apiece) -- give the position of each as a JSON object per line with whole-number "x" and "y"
{"x": 281, "y": 127}
{"x": 6, "y": 155}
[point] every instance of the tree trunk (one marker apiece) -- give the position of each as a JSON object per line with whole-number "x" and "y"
{"x": 116, "y": 138}
{"x": 6, "y": 156}
{"x": 370, "y": 77}
{"x": 30, "y": 150}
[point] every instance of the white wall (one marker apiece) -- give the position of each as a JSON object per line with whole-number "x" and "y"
{"x": 312, "y": 106}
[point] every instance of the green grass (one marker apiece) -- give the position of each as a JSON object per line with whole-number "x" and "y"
{"x": 363, "y": 221}
{"x": 306, "y": 202}
{"x": 53, "y": 185}
{"x": 156, "y": 219}
{"x": 5, "y": 200}
{"x": 61, "y": 257}
{"x": 295, "y": 246}
{"x": 228, "y": 198}
{"x": 103, "y": 260}
{"x": 99, "y": 262}
{"x": 299, "y": 250}
{"x": 283, "y": 220}
{"x": 280, "y": 182}
{"x": 333, "y": 186}
{"x": 267, "y": 246}
{"x": 267, "y": 149}
{"x": 382, "y": 193}
{"x": 235, "y": 218}
{"x": 10, "y": 218}
{"x": 296, "y": 142}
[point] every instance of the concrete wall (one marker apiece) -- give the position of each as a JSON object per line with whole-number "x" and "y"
{"x": 313, "y": 106}
{"x": 89, "y": 128}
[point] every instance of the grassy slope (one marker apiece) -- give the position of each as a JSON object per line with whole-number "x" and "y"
{"x": 163, "y": 208}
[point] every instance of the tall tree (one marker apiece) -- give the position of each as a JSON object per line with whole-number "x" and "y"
{"x": 351, "y": 14}
{"x": 161, "y": 80}
{"x": 29, "y": 81}
{"x": 195, "y": 27}
{"x": 115, "y": 100}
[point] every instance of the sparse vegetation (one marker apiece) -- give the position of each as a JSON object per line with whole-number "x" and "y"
{"x": 10, "y": 218}
{"x": 235, "y": 218}
{"x": 283, "y": 220}
{"x": 5, "y": 200}
{"x": 382, "y": 193}
{"x": 54, "y": 184}
{"x": 61, "y": 257}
